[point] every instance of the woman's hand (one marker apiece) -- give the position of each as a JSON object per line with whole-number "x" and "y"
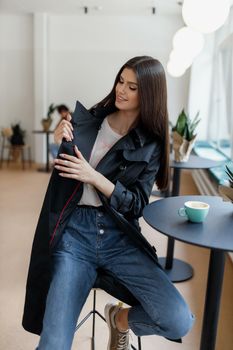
{"x": 76, "y": 168}
{"x": 64, "y": 130}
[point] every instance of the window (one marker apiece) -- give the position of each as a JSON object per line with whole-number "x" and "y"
{"x": 220, "y": 132}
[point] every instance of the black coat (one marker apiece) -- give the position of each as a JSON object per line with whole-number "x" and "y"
{"x": 131, "y": 164}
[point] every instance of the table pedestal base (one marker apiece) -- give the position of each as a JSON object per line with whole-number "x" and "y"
{"x": 180, "y": 271}
{"x": 44, "y": 170}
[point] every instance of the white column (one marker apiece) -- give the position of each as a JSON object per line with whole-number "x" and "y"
{"x": 40, "y": 81}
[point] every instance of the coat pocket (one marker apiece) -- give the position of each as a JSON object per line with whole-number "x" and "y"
{"x": 130, "y": 170}
{"x": 138, "y": 155}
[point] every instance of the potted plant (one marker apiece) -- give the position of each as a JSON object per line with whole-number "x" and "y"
{"x": 184, "y": 136}
{"x": 227, "y": 191}
{"x": 46, "y": 122}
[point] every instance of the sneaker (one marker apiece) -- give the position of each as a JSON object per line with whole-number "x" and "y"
{"x": 117, "y": 340}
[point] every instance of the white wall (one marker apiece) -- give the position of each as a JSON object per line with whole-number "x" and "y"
{"x": 86, "y": 52}
{"x": 16, "y": 72}
{"x": 83, "y": 54}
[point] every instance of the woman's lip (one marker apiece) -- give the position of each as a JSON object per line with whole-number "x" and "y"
{"x": 119, "y": 98}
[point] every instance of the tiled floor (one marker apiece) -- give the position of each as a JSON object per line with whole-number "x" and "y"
{"x": 21, "y": 195}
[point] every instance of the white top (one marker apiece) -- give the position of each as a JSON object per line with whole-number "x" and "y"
{"x": 105, "y": 139}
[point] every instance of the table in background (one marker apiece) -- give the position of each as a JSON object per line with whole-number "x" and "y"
{"x": 46, "y": 133}
{"x": 215, "y": 233}
{"x": 176, "y": 269}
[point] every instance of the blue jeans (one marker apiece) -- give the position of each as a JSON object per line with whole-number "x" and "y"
{"x": 53, "y": 148}
{"x": 92, "y": 240}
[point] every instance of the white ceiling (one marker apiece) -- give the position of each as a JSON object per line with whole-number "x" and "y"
{"x": 105, "y": 7}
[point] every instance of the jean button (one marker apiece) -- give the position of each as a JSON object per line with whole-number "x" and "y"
{"x": 99, "y": 215}
{"x": 101, "y": 232}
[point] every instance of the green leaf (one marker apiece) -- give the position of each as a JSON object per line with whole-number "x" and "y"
{"x": 186, "y": 132}
{"x": 229, "y": 175}
{"x": 185, "y": 126}
{"x": 181, "y": 122}
{"x": 51, "y": 109}
{"x": 229, "y": 170}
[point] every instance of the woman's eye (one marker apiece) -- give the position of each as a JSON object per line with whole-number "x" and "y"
{"x": 133, "y": 88}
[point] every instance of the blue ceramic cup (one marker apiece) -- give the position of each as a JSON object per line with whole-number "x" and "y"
{"x": 195, "y": 211}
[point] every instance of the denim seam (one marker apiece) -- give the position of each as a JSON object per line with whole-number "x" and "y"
{"x": 147, "y": 301}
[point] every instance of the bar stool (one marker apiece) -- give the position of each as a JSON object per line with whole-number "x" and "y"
{"x": 109, "y": 284}
{"x": 13, "y": 149}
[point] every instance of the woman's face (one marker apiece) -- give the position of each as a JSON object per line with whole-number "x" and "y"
{"x": 127, "y": 98}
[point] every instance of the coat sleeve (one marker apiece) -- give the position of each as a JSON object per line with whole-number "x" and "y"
{"x": 131, "y": 200}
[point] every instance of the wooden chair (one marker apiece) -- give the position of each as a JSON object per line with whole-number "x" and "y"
{"x": 13, "y": 150}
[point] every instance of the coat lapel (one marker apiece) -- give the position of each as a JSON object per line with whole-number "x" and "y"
{"x": 86, "y": 127}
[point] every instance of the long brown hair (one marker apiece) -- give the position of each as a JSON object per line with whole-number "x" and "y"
{"x": 152, "y": 92}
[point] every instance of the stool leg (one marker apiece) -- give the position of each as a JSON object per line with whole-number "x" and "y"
{"x": 9, "y": 155}
{"x": 2, "y": 152}
{"x": 22, "y": 157}
{"x": 139, "y": 343}
{"x": 93, "y": 321}
{"x": 29, "y": 157}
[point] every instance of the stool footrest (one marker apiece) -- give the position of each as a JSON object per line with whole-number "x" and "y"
{"x": 95, "y": 312}
{"x": 86, "y": 318}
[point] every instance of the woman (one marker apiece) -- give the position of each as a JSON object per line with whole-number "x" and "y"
{"x": 109, "y": 159}
{"x": 64, "y": 113}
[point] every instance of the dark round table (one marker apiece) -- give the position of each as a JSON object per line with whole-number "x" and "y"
{"x": 176, "y": 269}
{"x": 215, "y": 233}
